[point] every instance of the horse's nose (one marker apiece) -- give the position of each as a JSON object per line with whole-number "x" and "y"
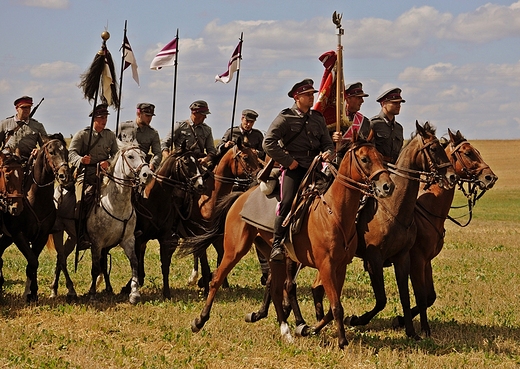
{"x": 388, "y": 188}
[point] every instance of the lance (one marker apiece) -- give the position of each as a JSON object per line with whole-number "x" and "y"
{"x": 336, "y": 19}
{"x": 236, "y": 86}
{"x": 35, "y": 108}
{"x": 175, "y": 65}
{"x": 123, "y": 56}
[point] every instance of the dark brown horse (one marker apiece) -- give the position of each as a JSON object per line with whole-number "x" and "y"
{"x": 30, "y": 230}
{"x": 237, "y": 167}
{"x": 431, "y": 211}
{"x": 386, "y": 229}
{"x": 326, "y": 240}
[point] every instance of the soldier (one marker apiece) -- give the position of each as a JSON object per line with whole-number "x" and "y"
{"x": 253, "y": 137}
{"x": 195, "y": 132}
{"x": 147, "y": 137}
{"x": 103, "y": 146}
{"x": 388, "y": 133}
{"x": 294, "y": 138}
{"x": 354, "y": 95}
{"x": 20, "y": 133}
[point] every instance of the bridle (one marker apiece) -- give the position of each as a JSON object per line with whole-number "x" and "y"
{"x": 133, "y": 181}
{"x": 49, "y": 163}
{"x": 180, "y": 171}
{"x": 240, "y": 162}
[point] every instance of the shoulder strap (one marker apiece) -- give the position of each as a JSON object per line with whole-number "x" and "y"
{"x": 285, "y": 144}
{"x": 196, "y": 138}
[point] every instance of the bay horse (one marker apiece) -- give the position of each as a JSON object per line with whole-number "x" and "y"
{"x": 386, "y": 229}
{"x": 30, "y": 230}
{"x": 161, "y": 207}
{"x": 237, "y": 167}
{"x": 432, "y": 209}
{"x": 326, "y": 240}
{"x": 112, "y": 219}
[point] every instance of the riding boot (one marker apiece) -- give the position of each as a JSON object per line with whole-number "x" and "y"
{"x": 278, "y": 251}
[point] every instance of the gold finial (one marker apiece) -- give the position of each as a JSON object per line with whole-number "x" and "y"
{"x": 105, "y": 35}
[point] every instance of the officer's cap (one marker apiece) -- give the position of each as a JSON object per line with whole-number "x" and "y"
{"x": 200, "y": 106}
{"x": 249, "y": 114}
{"x": 394, "y": 95}
{"x": 23, "y": 101}
{"x": 302, "y": 87}
{"x": 355, "y": 89}
{"x": 100, "y": 110}
{"x": 146, "y": 108}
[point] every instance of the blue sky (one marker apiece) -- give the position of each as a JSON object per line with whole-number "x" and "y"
{"x": 457, "y": 62}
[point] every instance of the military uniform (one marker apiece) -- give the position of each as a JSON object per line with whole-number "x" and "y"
{"x": 388, "y": 137}
{"x": 198, "y": 138}
{"x": 148, "y": 138}
{"x": 25, "y": 138}
{"x": 103, "y": 147}
{"x": 254, "y": 139}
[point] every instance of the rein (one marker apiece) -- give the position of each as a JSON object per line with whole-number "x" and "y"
{"x": 239, "y": 160}
{"x": 49, "y": 162}
{"x": 125, "y": 182}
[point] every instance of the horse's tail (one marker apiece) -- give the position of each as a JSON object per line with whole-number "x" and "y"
{"x": 50, "y": 243}
{"x": 198, "y": 244}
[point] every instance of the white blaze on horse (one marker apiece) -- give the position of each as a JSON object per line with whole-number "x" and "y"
{"x": 112, "y": 220}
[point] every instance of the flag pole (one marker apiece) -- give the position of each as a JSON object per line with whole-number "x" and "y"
{"x": 123, "y": 48}
{"x": 336, "y": 19}
{"x": 236, "y": 86}
{"x": 174, "y": 84}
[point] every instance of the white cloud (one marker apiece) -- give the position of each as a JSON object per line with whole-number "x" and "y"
{"x": 5, "y": 86}
{"x": 51, "y": 4}
{"x": 55, "y": 70}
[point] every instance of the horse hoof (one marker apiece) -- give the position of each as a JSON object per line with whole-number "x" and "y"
{"x": 53, "y": 294}
{"x": 351, "y": 321}
{"x": 192, "y": 280}
{"x": 194, "y": 327}
{"x": 303, "y": 330}
{"x": 134, "y": 298}
{"x": 250, "y": 318}
{"x": 71, "y": 298}
{"x": 31, "y": 298}
{"x": 125, "y": 290}
{"x": 398, "y": 322}
{"x": 225, "y": 284}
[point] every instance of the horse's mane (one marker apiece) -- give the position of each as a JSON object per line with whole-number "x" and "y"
{"x": 57, "y": 136}
{"x": 428, "y": 127}
{"x": 348, "y": 144}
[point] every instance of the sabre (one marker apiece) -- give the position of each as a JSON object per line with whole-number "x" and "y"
{"x": 336, "y": 19}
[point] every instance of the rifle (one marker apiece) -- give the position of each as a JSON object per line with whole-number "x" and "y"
{"x": 35, "y": 108}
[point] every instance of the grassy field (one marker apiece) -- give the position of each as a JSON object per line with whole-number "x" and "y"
{"x": 475, "y": 321}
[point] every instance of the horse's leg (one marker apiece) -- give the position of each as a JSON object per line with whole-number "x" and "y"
{"x": 206, "y": 272}
{"x": 68, "y": 248}
{"x": 3, "y": 246}
{"x": 58, "y": 246}
{"x": 105, "y": 270}
{"x": 140, "y": 251}
{"x": 374, "y": 266}
{"x": 194, "y": 276}
{"x": 237, "y": 242}
{"x": 95, "y": 270}
{"x": 278, "y": 277}
{"x": 167, "y": 248}
{"x": 318, "y": 293}
{"x": 31, "y": 285}
{"x": 218, "y": 244}
{"x": 402, "y": 273}
{"x": 128, "y": 246}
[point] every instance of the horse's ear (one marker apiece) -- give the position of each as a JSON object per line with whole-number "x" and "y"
{"x": 45, "y": 138}
{"x": 453, "y": 138}
{"x": 419, "y": 129}
{"x": 239, "y": 142}
{"x": 370, "y": 135}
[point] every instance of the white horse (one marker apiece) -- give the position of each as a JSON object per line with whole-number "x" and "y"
{"x": 112, "y": 220}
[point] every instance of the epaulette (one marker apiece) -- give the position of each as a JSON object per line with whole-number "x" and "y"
{"x": 317, "y": 112}
{"x": 286, "y": 111}
{"x": 12, "y": 116}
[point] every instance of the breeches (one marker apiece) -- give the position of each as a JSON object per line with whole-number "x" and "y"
{"x": 289, "y": 182}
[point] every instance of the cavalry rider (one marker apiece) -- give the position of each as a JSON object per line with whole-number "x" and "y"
{"x": 103, "y": 146}
{"x": 251, "y": 136}
{"x": 20, "y": 133}
{"x": 388, "y": 133}
{"x": 354, "y": 95}
{"x": 146, "y": 136}
{"x": 295, "y": 137}
{"x": 196, "y": 133}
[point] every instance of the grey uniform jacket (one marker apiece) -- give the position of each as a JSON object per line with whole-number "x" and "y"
{"x": 388, "y": 136}
{"x": 148, "y": 139}
{"x": 25, "y": 138}
{"x": 314, "y": 138}
{"x": 254, "y": 138}
{"x": 186, "y": 131}
{"x": 103, "y": 147}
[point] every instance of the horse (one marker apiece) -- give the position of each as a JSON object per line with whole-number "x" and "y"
{"x": 326, "y": 240}
{"x": 386, "y": 229}
{"x": 30, "y": 229}
{"x": 237, "y": 167}
{"x": 115, "y": 212}
{"x": 11, "y": 184}
{"x": 161, "y": 205}
{"x": 431, "y": 211}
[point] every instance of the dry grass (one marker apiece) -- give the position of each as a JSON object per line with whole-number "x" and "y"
{"x": 475, "y": 320}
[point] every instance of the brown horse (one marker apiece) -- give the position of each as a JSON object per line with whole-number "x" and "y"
{"x": 237, "y": 167}
{"x": 431, "y": 211}
{"x": 326, "y": 240}
{"x": 30, "y": 230}
{"x": 386, "y": 228}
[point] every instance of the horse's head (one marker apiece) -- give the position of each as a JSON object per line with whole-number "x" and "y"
{"x": 131, "y": 164}
{"x": 183, "y": 166}
{"x": 11, "y": 184}
{"x": 239, "y": 164}
{"x": 425, "y": 153}
{"x": 363, "y": 163}
{"x": 56, "y": 158}
{"x": 468, "y": 163}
